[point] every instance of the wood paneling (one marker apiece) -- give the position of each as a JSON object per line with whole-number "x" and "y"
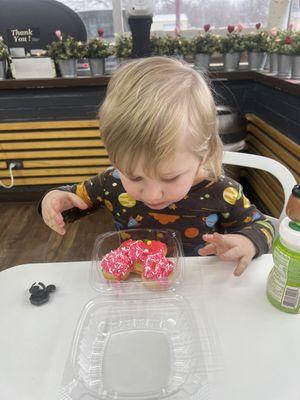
{"x": 52, "y": 152}
{"x": 267, "y": 141}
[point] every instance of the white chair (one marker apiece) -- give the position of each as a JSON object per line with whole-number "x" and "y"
{"x": 267, "y": 164}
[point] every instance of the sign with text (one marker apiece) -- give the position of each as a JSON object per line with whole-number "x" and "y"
{"x": 23, "y": 35}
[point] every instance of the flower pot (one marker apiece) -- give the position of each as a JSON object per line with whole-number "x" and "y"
{"x": 202, "y": 61}
{"x": 284, "y": 66}
{"x": 274, "y": 63}
{"x": 256, "y": 60}
{"x": 122, "y": 60}
{"x": 231, "y": 61}
{"x": 97, "y": 66}
{"x": 2, "y": 69}
{"x": 67, "y": 68}
{"x": 296, "y": 67}
{"x": 267, "y": 63}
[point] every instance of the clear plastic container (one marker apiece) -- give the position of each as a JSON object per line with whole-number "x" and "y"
{"x": 138, "y": 348}
{"x": 112, "y": 240}
{"x": 132, "y": 343}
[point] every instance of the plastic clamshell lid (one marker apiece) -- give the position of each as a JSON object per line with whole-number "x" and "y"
{"x": 138, "y": 348}
{"x": 109, "y": 241}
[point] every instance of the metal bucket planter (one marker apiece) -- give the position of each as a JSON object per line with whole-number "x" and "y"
{"x": 256, "y": 60}
{"x": 274, "y": 63}
{"x": 121, "y": 60}
{"x": 97, "y": 66}
{"x": 202, "y": 61}
{"x": 267, "y": 63}
{"x": 296, "y": 67}
{"x": 67, "y": 68}
{"x": 2, "y": 69}
{"x": 284, "y": 66}
{"x": 231, "y": 61}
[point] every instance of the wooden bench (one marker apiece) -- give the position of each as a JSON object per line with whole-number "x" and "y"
{"x": 51, "y": 153}
{"x": 265, "y": 140}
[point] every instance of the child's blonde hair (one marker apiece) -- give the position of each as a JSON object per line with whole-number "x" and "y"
{"x": 156, "y": 107}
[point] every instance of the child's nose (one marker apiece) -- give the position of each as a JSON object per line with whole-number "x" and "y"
{"x": 152, "y": 194}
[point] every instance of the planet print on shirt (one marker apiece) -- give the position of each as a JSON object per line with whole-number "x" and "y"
{"x": 230, "y": 195}
{"x": 191, "y": 233}
{"x": 211, "y": 220}
{"x": 132, "y": 223}
{"x": 109, "y": 205}
{"x": 126, "y": 200}
{"x": 164, "y": 219}
{"x": 116, "y": 174}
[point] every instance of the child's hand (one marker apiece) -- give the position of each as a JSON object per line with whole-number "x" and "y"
{"x": 230, "y": 248}
{"x": 54, "y": 203}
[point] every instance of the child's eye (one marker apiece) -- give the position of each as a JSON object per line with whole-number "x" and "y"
{"x": 137, "y": 179}
{"x": 172, "y": 179}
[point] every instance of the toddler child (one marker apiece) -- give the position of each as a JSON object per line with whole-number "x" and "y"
{"x": 159, "y": 126}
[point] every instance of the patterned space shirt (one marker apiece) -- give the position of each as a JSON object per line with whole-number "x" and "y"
{"x": 207, "y": 208}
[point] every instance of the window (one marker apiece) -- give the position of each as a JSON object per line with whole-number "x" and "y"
{"x": 94, "y": 14}
{"x": 295, "y": 14}
{"x": 218, "y": 13}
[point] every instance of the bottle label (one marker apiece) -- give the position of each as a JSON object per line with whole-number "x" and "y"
{"x": 284, "y": 279}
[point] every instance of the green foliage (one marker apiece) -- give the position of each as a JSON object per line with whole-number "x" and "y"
{"x": 295, "y": 50}
{"x": 256, "y": 41}
{"x": 4, "y": 54}
{"x": 158, "y": 45}
{"x": 97, "y": 48}
{"x": 123, "y": 47}
{"x": 176, "y": 46}
{"x": 205, "y": 43}
{"x": 231, "y": 43}
{"x": 65, "y": 48}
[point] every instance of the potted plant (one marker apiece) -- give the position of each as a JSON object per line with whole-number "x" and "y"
{"x": 177, "y": 46}
{"x": 4, "y": 55}
{"x": 295, "y": 53}
{"x": 256, "y": 45}
{"x": 231, "y": 46}
{"x": 284, "y": 50}
{"x": 157, "y": 45}
{"x": 65, "y": 52}
{"x": 203, "y": 46}
{"x": 272, "y": 49}
{"x": 123, "y": 47}
{"x": 96, "y": 50}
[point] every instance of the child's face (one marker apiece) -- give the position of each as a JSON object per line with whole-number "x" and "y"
{"x": 172, "y": 183}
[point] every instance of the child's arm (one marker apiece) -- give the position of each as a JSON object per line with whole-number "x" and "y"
{"x": 248, "y": 233}
{"x": 69, "y": 203}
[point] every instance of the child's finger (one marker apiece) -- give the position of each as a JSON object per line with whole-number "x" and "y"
{"x": 216, "y": 238}
{"x": 77, "y": 201}
{"x": 56, "y": 205}
{"x": 231, "y": 254}
{"x": 207, "y": 250}
{"x": 242, "y": 265}
{"x": 59, "y": 220}
{"x": 57, "y": 228}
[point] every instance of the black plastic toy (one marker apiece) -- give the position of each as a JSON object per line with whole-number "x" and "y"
{"x": 40, "y": 293}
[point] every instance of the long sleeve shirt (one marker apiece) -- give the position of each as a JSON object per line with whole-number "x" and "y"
{"x": 207, "y": 208}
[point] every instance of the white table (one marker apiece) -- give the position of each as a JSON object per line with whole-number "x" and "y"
{"x": 257, "y": 346}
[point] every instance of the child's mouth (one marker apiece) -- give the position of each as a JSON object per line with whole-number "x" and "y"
{"x": 157, "y": 205}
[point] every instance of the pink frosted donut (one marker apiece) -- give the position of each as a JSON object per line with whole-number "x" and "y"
{"x": 116, "y": 265}
{"x": 157, "y": 268}
{"x": 136, "y": 250}
{"x": 142, "y": 257}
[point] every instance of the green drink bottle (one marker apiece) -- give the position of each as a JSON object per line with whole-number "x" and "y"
{"x": 283, "y": 286}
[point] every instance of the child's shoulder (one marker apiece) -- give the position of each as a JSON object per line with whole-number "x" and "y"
{"x": 110, "y": 173}
{"x": 222, "y": 184}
